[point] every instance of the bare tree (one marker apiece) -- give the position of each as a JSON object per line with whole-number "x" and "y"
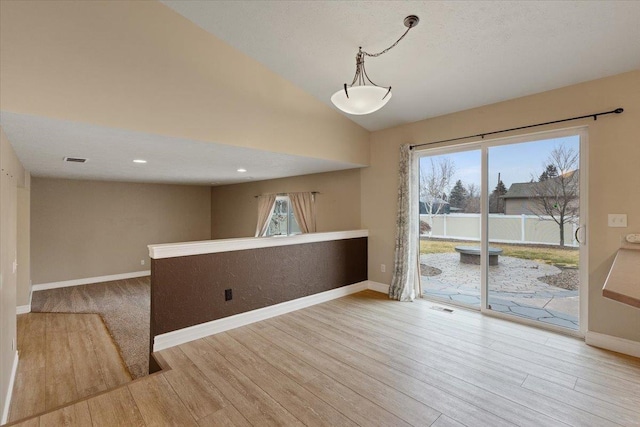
{"x": 473, "y": 199}
{"x": 558, "y": 197}
{"x": 435, "y": 181}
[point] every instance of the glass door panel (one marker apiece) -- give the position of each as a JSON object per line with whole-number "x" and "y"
{"x": 533, "y": 209}
{"x": 450, "y": 227}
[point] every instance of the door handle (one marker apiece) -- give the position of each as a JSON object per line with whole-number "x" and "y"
{"x": 576, "y": 235}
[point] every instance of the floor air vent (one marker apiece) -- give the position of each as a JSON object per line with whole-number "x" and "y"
{"x": 75, "y": 160}
{"x": 446, "y": 310}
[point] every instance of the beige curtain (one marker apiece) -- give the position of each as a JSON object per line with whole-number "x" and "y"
{"x": 406, "y": 267}
{"x": 266, "y": 204}
{"x": 304, "y": 209}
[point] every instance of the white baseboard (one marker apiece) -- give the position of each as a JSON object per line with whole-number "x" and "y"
{"x": 608, "y": 342}
{"x": 89, "y": 280}
{"x": 379, "y": 287}
{"x": 22, "y": 309}
{"x": 12, "y": 380}
{"x": 181, "y": 336}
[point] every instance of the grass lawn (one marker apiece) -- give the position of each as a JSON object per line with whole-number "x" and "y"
{"x": 554, "y": 256}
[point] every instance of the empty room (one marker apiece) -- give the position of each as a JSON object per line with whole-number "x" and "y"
{"x": 367, "y": 213}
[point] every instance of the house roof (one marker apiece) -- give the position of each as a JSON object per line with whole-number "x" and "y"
{"x": 524, "y": 190}
{"x": 519, "y": 190}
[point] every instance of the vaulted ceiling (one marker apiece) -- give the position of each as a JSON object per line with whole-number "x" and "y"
{"x": 462, "y": 54}
{"x": 222, "y": 85}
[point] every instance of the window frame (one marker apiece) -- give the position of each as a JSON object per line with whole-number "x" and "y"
{"x": 290, "y": 218}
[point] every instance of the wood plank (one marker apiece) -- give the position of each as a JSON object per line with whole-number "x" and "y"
{"x": 22, "y": 324}
{"x": 112, "y": 367}
{"x": 56, "y": 322}
{"x": 254, "y": 404}
{"x": 444, "y": 421}
{"x": 225, "y": 417}
{"x": 77, "y": 322}
{"x": 175, "y": 358}
{"x": 498, "y": 329}
{"x": 608, "y": 394}
{"x": 578, "y": 346}
{"x": 60, "y": 384}
{"x": 362, "y": 360}
{"x": 73, "y": 415}
{"x": 33, "y": 342}
{"x": 292, "y": 366}
{"x": 299, "y": 401}
{"x": 116, "y": 408}
{"x": 398, "y": 403}
{"x": 32, "y": 422}
{"x": 29, "y": 396}
{"x": 439, "y": 357}
{"x": 614, "y": 413}
{"x": 591, "y": 374}
{"x": 158, "y": 404}
{"x": 358, "y": 408}
{"x": 409, "y": 332}
{"x": 197, "y": 393}
{"x": 411, "y": 383}
{"x": 86, "y": 368}
{"x": 459, "y": 383}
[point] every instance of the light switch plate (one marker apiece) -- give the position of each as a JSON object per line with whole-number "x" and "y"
{"x": 617, "y": 220}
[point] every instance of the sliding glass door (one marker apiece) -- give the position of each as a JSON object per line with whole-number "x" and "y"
{"x": 450, "y": 223}
{"x": 501, "y": 227}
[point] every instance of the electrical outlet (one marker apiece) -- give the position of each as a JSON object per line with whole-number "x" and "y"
{"x": 617, "y": 220}
{"x": 383, "y": 268}
{"x": 141, "y": 262}
{"x": 13, "y": 344}
{"x": 228, "y": 295}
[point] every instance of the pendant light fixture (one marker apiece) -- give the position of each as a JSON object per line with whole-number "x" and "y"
{"x": 363, "y": 96}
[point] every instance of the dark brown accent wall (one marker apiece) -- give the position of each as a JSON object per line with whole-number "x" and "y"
{"x": 190, "y": 290}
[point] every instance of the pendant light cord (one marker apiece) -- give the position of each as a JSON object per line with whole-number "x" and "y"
{"x": 373, "y": 55}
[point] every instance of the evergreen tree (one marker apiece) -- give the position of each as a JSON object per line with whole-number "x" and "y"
{"x": 500, "y": 189}
{"x": 496, "y": 204}
{"x": 458, "y": 195}
{"x": 550, "y": 172}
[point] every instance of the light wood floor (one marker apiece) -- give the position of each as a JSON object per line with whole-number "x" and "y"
{"x": 63, "y": 357}
{"x": 365, "y": 360}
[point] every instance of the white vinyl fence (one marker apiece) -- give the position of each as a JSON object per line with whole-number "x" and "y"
{"x": 502, "y": 228}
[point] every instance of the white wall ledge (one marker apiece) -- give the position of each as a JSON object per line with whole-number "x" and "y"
{"x": 172, "y": 250}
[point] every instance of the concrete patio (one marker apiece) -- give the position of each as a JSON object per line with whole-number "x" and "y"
{"x": 514, "y": 288}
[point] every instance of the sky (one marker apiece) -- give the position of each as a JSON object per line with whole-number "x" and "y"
{"x": 514, "y": 162}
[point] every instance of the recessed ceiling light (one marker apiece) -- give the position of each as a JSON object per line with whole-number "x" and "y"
{"x": 139, "y": 161}
{"x": 242, "y": 170}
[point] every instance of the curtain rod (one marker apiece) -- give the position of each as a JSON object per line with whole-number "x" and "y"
{"x": 482, "y": 135}
{"x": 284, "y": 194}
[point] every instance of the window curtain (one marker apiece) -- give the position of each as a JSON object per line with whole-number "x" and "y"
{"x": 266, "y": 204}
{"x": 304, "y": 209}
{"x": 406, "y": 265}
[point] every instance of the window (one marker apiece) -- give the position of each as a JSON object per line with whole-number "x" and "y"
{"x": 283, "y": 221}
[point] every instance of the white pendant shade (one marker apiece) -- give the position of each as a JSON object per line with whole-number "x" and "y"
{"x": 362, "y": 99}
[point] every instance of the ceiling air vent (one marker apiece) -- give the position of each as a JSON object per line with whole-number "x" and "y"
{"x": 75, "y": 160}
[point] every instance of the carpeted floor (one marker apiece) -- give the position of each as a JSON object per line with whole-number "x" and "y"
{"x": 124, "y": 307}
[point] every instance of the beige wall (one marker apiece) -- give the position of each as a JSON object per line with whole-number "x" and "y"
{"x": 12, "y": 177}
{"x": 139, "y": 65}
{"x": 23, "y": 292}
{"x": 614, "y": 177}
{"x": 234, "y": 208}
{"x": 82, "y": 229}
